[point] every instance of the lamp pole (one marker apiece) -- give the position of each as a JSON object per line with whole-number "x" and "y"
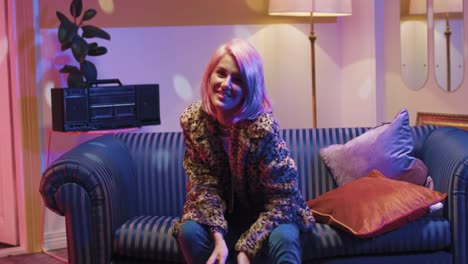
{"x": 312, "y": 38}
{"x": 447, "y": 39}
{"x": 323, "y": 8}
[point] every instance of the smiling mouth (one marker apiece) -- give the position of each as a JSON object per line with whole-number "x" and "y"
{"x": 223, "y": 96}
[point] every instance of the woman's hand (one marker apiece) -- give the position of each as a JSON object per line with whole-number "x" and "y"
{"x": 220, "y": 252}
{"x": 242, "y": 258}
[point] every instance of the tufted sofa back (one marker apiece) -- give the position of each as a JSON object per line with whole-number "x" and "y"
{"x": 161, "y": 180}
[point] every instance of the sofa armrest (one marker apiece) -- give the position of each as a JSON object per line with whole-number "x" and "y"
{"x": 445, "y": 153}
{"x": 92, "y": 186}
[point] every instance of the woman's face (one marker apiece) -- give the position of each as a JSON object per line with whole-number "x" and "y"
{"x": 227, "y": 86}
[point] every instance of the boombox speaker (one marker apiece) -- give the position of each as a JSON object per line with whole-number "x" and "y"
{"x": 105, "y": 107}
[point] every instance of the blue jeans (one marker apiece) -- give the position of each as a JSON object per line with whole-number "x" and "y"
{"x": 283, "y": 245}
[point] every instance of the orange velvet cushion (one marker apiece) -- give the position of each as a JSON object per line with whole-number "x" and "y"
{"x": 373, "y": 205}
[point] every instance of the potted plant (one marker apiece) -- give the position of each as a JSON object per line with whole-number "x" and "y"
{"x": 72, "y": 34}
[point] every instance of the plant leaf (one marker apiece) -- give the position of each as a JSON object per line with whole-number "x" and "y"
{"x": 90, "y": 31}
{"x": 98, "y": 51}
{"x": 62, "y": 33}
{"x": 89, "y": 70}
{"x": 66, "y": 46}
{"x": 79, "y": 48}
{"x": 75, "y": 80}
{"x": 92, "y": 45}
{"x": 66, "y": 31}
{"x": 62, "y": 17}
{"x": 68, "y": 69}
{"x": 90, "y": 13}
{"x": 76, "y": 7}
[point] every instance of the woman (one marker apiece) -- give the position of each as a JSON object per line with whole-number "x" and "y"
{"x": 242, "y": 194}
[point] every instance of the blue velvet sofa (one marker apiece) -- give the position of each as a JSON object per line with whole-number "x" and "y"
{"x": 120, "y": 193}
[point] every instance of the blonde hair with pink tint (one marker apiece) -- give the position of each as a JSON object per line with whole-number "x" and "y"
{"x": 250, "y": 66}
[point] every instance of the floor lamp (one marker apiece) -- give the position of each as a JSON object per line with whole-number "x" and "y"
{"x": 446, "y": 7}
{"x": 311, "y": 8}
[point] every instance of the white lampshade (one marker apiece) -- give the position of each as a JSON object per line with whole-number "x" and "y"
{"x": 306, "y": 7}
{"x": 448, "y": 6}
{"x": 417, "y": 7}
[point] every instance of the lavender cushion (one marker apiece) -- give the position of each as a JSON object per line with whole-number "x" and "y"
{"x": 386, "y": 148}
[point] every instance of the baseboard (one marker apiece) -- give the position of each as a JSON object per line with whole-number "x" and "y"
{"x": 4, "y": 252}
{"x": 55, "y": 240}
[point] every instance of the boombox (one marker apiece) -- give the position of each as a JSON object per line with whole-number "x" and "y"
{"x": 105, "y": 107}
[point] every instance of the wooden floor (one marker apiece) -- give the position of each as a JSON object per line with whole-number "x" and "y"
{"x": 38, "y": 258}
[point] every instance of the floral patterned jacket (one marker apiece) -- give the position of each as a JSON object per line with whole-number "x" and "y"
{"x": 259, "y": 171}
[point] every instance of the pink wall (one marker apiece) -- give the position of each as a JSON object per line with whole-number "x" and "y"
{"x": 430, "y": 98}
{"x": 358, "y": 86}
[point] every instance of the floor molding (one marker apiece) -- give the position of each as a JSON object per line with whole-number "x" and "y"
{"x": 12, "y": 251}
{"x": 54, "y": 240}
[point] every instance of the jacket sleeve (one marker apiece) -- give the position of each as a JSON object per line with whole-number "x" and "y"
{"x": 204, "y": 202}
{"x": 285, "y": 204}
